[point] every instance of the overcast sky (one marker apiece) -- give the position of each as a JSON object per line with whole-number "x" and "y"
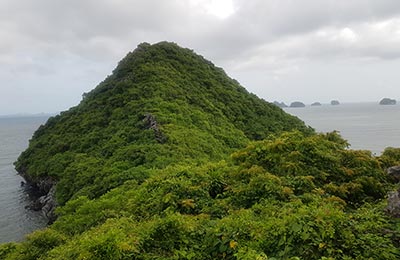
{"x": 51, "y": 51}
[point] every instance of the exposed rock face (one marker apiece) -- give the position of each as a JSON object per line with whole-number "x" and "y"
{"x": 47, "y": 203}
{"x": 45, "y": 184}
{"x": 394, "y": 172}
{"x": 335, "y": 103}
{"x": 297, "y": 104}
{"x": 393, "y": 207}
{"x": 316, "y": 104}
{"x": 151, "y": 123}
{"x": 387, "y": 101}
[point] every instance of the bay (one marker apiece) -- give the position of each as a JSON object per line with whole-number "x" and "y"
{"x": 366, "y": 126}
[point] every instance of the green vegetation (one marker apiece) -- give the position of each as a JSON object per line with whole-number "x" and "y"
{"x": 162, "y": 105}
{"x": 168, "y": 158}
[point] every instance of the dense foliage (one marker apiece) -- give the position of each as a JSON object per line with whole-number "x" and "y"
{"x": 159, "y": 164}
{"x": 162, "y": 105}
{"x": 284, "y": 197}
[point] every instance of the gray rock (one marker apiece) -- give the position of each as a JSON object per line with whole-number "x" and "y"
{"x": 393, "y": 207}
{"x": 394, "y": 172}
{"x": 151, "y": 123}
{"x": 48, "y": 204}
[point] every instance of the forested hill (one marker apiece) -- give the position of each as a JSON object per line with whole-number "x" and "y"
{"x": 162, "y": 105}
{"x": 169, "y": 158}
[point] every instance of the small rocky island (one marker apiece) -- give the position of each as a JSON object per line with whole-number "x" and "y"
{"x": 315, "y": 104}
{"x": 280, "y": 104}
{"x": 297, "y": 104}
{"x": 335, "y": 103}
{"x": 387, "y": 101}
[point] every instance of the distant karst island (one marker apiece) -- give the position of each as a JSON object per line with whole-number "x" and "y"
{"x": 297, "y": 104}
{"x": 387, "y": 101}
{"x": 316, "y": 104}
{"x": 280, "y": 104}
{"x": 335, "y": 103}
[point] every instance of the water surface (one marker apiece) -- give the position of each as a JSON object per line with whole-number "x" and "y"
{"x": 15, "y": 220}
{"x": 367, "y": 126}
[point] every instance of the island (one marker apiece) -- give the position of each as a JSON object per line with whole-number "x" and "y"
{"x": 335, "y": 103}
{"x": 315, "y": 104}
{"x": 280, "y": 104}
{"x": 154, "y": 164}
{"x": 387, "y": 101}
{"x": 297, "y": 104}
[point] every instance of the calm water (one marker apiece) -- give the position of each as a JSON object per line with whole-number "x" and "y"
{"x": 15, "y": 220}
{"x": 366, "y": 126}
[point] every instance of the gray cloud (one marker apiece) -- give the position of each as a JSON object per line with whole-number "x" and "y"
{"x": 57, "y": 49}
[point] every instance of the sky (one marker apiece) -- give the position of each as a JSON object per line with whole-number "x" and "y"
{"x": 52, "y": 51}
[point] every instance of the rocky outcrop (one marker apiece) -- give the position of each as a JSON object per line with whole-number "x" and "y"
{"x": 48, "y": 204}
{"x": 151, "y": 123}
{"x": 393, "y": 206}
{"x": 394, "y": 173}
{"x": 335, "y": 103}
{"x": 45, "y": 201}
{"x": 393, "y": 201}
{"x": 387, "y": 101}
{"x": 316, "y": 104}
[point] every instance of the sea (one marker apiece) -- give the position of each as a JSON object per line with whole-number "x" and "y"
{"x": 366, "y": 126}
{"x": 15, "y": 219}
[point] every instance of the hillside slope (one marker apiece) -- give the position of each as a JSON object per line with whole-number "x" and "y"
{"x": 162, "y": 105}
